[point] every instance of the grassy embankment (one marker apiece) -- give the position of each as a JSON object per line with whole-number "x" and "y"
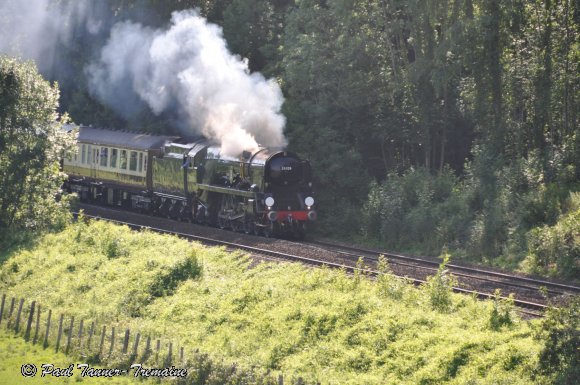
{"x": 320, "y": 324}
{"x": 15, "y": 352}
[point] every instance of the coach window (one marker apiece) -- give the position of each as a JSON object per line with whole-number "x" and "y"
{"x": 113, "y": 158}
{"x": 123, "y": 162}
{"x": 104, "y": 156}
{"x": 145, "y": 163}
{"x": 133, "y": 161}
{"x": 140, "y": 162}
{"x": 84, "y": 154}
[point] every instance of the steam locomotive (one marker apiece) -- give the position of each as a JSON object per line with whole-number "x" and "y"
{"x": 265, "y": 192}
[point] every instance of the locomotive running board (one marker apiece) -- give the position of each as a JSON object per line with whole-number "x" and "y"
{"x": 226, "y": 190}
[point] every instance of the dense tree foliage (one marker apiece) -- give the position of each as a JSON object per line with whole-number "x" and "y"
{"x": 31, "y": 145}
{"x": 429, "y": 124}
{"x": 402, "y": 89}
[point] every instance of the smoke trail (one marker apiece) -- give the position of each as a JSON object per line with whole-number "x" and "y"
{"x": 188, "y": 71}
{"x": 33, "y": 29}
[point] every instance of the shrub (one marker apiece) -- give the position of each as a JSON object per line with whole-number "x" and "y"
{"x": 560, "y": 356}
{"x": 502, "y": 311}
{"x": 439, "y": 287}
{"x": 168, "y": 280}
{"x": 556, "y": 249}
{"x": 389, "y": 285}
{"x": 417, "y": 210}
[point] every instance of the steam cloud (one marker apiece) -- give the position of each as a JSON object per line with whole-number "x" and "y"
{"x": 185, "y": 72}
{"x": 188, "y": 71}
{"x": 33, "y": 29}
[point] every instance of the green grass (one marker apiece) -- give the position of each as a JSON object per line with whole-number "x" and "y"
{"x": 15, "y": 352}
{"x": 316, "y": 323}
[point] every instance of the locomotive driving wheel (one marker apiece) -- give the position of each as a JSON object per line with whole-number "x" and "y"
{"x": 225, "y": 213}
{"x": 222, "y": 221}
{"x": 268, "y": 230}
{"x": 250, "y": 226}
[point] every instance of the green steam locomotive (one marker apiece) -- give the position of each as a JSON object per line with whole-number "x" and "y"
{"x": 264, "y": 192}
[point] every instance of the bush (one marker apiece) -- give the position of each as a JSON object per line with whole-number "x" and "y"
{"x": 417, "y": 211}
{"x": 183, "y": 269}
{"x": 439, "y": 287}
{"x": 389, "y": 284}
{"x": 555, "y": 250}
{"x": 560, "y": 356}
{"x": 502, "y": 311}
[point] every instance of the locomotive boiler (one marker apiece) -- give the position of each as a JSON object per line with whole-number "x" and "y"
{"x": 266, "y": 192}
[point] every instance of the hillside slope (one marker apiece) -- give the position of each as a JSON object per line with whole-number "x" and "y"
{"x": 320, "y": 324}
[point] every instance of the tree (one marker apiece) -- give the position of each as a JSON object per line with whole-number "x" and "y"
{"x": 31, "y": 145}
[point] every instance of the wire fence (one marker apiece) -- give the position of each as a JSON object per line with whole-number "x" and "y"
{"x": 102, "y": 344}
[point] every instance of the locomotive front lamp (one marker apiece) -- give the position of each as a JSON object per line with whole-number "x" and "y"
{"x": 269, "y": 202}
{"x": 272, "y": 216}
{"x": 309, "y": 201}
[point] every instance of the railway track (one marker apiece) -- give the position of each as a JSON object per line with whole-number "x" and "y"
{"x": 491, "y": 278}
{"x": 344, "y": 257}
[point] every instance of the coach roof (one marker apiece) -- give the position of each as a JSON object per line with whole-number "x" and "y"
{"x": 122, "y": 139}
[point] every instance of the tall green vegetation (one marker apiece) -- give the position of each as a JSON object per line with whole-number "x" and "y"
{"x": 31, "y": 145}
{"x": 560, "y": 355}
{"x": 320, "y": 324}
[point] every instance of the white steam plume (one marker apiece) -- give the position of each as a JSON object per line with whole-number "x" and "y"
{"x": 187, "y": 70}
{"x": 32, "y": 29}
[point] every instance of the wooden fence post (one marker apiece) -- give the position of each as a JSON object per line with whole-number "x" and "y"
{"x": 126, "y": 341}
{"x": 2, "y": 307}
{"x": 280, "y": 379}
{"x": 90, "y": 335}
{"x": 157, "y": 350}
{"x": 37, "y": 325}
{"x": 72, "y": 321}
{"x": 59, "y": 332}
{"x": 136, "y": 345}
{"x": 45, "y": 343}
{"x": 181, "y": 355}
{"x": 169, "y": 356}
{"x": 17, "y": 326}
{"x": 102, "y": 341}
{"x": 80, "y": 336}
{"x": 11, "y": 310}
{"x": 112, "y": 340}
{"x": 148, "y": 345}
{"x": 29, "y": 323}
